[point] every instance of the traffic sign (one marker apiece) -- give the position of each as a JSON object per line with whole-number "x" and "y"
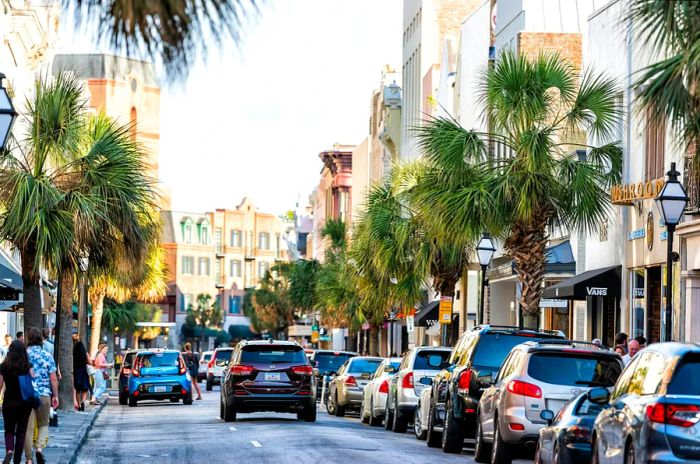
{"x": 445, "y": 311}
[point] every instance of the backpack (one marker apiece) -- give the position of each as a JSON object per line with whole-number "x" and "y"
{"x": 189, "y": 360}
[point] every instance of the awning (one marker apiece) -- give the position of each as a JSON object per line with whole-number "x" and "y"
{"x": 598, "y": 282}
{"x": 428, "y": 315}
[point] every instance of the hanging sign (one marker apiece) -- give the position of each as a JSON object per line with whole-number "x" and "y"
{"x": 445, "y": 315}
{"x": 410, "y": 324}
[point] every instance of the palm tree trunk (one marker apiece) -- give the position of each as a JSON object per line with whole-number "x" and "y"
{"x": 351, "y": 340}
{"x": 31, "y": 289}
{"x": 374, "y": 340}
{"x": 526, "y": 244}
{"x": 97, "y": 301}
{"x": 65, "y": 344}
{"x": 447, "y": 288}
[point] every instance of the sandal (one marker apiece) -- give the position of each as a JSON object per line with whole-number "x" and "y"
{"x": 8, "y": 457}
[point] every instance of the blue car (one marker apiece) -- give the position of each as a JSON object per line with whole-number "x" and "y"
{"x": 159, "y": 375}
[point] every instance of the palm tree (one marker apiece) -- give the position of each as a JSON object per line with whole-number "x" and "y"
{"x": 670, "y": 86}
{"x": 171, "y": 31}
{"x": 540, "y": 111}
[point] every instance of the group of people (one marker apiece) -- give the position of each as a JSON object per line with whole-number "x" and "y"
{"x": 89, "y": 374}
{"x": 628, "y": 348}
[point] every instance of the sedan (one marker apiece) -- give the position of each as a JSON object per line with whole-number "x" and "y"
{"x": 374, "y": 393}
{"x": 345, "y": 390}
{"x": 567, "y": 438}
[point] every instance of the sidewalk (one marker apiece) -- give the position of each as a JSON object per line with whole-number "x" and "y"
{"x": 66, "y": 439}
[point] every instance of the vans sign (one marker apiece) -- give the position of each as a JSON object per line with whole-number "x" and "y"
{"x": 597, "y": 291}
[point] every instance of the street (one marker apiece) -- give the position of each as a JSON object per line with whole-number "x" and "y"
{"x": 173, "y": 433}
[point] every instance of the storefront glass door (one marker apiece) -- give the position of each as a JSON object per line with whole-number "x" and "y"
{"x": 639, "y": 315}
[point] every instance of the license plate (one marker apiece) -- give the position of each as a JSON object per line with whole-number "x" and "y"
{"x": 272, "y": 376}
{"x": 160, "y": 389}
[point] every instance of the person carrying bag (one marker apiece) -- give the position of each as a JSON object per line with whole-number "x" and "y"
{"x": 19, "y": 397}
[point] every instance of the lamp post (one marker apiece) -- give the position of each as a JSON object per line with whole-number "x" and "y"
{"x": 672, "y": 200}
{"x": 7, "y": 114}
{"x": 484, "y": 251}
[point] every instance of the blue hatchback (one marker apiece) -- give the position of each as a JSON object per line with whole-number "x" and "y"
{"x": 159, "y": 375}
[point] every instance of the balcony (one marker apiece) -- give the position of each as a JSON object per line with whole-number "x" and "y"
{"x": 691, "y": 180}
{"x": 219, "y": 282}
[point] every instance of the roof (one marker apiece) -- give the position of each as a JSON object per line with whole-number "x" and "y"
{"x": 105, "y": 66}
{"x": 562, "y": 345}
{"x": 270, "y": 342}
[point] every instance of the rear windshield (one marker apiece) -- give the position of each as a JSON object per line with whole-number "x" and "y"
{"x": 431, "y": 360}
{"x": 224, "y": 354}
{"x": 571, "y": 369}
{"x": 159, "y": 359}
{"x": 494, "y": 347}
{"x": 128, "y": 359}
{"x": 326, "y": 362}
{"x": 207, "y": 357}
{"x": 364, "y": 366}
{"x": 272, "y": 354}
{"x": 686, "y": 380}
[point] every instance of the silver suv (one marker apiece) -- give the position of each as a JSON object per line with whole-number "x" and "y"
{"x": 416, "y": 372}
{"x": 537, "y": 376}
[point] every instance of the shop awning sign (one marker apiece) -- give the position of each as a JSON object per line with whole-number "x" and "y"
{"x": 553, "y": 303}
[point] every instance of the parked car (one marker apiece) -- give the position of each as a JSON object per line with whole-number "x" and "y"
{"x": 159, "y": 375}
{"x": 124, "y": 373}
{"x": 567, "y": 437}
{"x": 268, "y": 376}
{"x": 326, "y": 363}
{"x": 217, "y": 365}
{"x": 204, "y": 365}
{"x": 416, "y": 371}
{"x": 536, "y": 376}
{"x": 457, "y": 388}
{"x": 345, "y": 389}
{"x": 374, "y": 393}
{"x": 654, "y": 409}
{"x": 420, "y": 417}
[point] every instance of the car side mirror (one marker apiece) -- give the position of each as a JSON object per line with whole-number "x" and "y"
{"x": 484, "y": 378}
{"x": 599, "y": 395}
{"x": 426, "y": 381}
{"x": 547, "y": 416}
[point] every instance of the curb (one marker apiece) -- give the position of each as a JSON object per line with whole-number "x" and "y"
{"x": 81, "y": 435}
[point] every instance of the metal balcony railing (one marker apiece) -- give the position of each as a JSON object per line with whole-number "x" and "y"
{"x": 691, "y": 180}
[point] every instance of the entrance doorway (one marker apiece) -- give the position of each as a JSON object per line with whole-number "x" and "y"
{"x": 653, "y": 306}
{"x": 604, "y": 319}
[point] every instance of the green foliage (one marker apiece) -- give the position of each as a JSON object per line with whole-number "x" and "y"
{"x": 302, "y": 284}
{"x": 272, "y": 309}
{"x": 119, "y": 316}
{"x": 205, "y": 314}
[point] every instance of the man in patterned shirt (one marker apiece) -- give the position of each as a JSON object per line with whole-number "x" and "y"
{"x": 46, "y": 385}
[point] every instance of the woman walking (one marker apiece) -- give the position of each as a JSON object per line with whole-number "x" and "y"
{"x": 81, "y": 379}
{"x": 15, "y": 412}
{"x": 101, "y": 373}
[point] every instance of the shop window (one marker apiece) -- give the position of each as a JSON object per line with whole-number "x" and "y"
{"x": 654, "y": 146}
{"x": 638, "y": 303}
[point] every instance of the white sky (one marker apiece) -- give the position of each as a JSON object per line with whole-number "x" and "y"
{"x": 253, "y": 120}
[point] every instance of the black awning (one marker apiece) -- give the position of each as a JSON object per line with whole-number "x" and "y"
{"x": 428, "y": 315}
{"x": 598, "y": 282}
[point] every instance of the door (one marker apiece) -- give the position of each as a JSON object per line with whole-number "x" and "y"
{"x": 653, "y": 313}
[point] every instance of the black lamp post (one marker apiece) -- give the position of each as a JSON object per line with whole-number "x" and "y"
{"x": 7, "y": 114}
{"x": 484, "y": 251}
{"x": 671, "y": 201}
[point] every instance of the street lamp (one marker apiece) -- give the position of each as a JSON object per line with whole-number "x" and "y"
{"x": 672, "y": 200}
{"x": 7, "y": 114}
{"x": 484, "y": 251}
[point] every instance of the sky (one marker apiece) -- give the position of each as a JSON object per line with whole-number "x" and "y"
{"x": 252, "y": 119}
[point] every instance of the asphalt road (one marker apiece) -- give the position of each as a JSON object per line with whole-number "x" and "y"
{"x": 161, "y": 432}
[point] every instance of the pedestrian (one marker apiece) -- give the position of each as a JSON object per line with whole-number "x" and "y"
{"x": 101, "y": 373}
{"x": 46, "y": 386}
{"x": 5, "y": 347}
{"x": 621, "y": 343}
{"x": 81, "y": 378}
{"x": 20, "y": 336}
{"x": 15, "y": 412}
{"x": 642, "y": 341}
{"x": 192, "y": 362}
{"x": 597, "y": 342}
{"x": 48, "y": 344}
{"x": 633, "y": 348}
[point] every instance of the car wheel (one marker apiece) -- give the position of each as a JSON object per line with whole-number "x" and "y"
{"x": 482, "y": 451}
{"x": 452, "y": 436}
{"x": 373, "y": 420}
{"x": 123, "y": 398}
{"x": 187, "y": 400}
{"x": 229, "y": 413}
{"x": 308, "y": 414}
{"x": 339, "y": 408}
{"x": 417, "y": 425}
{"x": 132, "y": 401}
{"x": 629, "y": 454}
{"x": 210, "y": 384}
{"x": 500, "y": 452}
{"x": 431, "y": 437}
{"x": 388, "y": 415}
{"x": 330, "y": 405}
{"x": 400, "y": 422}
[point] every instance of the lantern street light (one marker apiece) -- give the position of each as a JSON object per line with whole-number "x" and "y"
{"x": 671, "y": 201}
{"x": 484, "y": 251}
{"x": 7, "y": 114}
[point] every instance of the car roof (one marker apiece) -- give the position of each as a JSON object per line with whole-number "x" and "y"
{"x": 351, "y": 353}
{"x": 269, "y": 343}
{"x": 371, "y": 358}
{"x": 223, "y": 348}
{"x": 568, "y": 346}
{"x": 156, "y": 350}
{"x": 432, "y": 348}
{"x": 486, "y": 328}
{"x": 673, "y": 348}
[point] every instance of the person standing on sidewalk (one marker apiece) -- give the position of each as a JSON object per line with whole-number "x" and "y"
{"x": 81, "y": 378}
{"x": 101, "y": 373}
{"x": 15, "y": 412}
{"x": 192, "y": 362}
{"x": 46, "y": 385}
{"x": 5, "y": 347}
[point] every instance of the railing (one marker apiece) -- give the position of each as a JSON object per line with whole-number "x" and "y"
{"x": 691, "y": 180}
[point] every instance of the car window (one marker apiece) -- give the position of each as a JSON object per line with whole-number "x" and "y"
{"x": 685, "y": 380}
{"x": 656, "y": 365}
{"x": 622, "y": 384}
{"x": 431, "y": 360}
{"x": 405, "y": 360}
{"x": 503, "y": 372}
{"x": 128, "y": 359}
{"x": 159, "y": 360}
{"x": 272, "y": 354}
{"x": 493, "y": 348}
{"x": 639, "y": 375}
{"x": 587, "y": 408}
{"x": 467, "y": 351}
{"x": 458, "y": 350}
{"x": 329, "y": 361}
{"x": 562, "y": 368}
{"x": 363, "y": 366}
{"x": 223, "y": 357}
{"x": 207, "y": 357}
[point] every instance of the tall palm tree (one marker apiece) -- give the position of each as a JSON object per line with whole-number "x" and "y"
{"x": 541, "y": 112}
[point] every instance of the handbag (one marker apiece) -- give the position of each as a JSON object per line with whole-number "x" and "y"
{"x": 29, "y": 394}
{"x": 105, "y": 375}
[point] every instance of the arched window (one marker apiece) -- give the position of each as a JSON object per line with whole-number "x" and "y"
{"x": 133, "y": 123}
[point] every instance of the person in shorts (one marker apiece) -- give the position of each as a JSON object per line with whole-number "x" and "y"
{"x": 192, "y": 362}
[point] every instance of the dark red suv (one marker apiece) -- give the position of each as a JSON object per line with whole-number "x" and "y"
{"x": 268, "y": 376}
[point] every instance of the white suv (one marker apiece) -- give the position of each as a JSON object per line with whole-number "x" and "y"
{"x": 218, "y": 362}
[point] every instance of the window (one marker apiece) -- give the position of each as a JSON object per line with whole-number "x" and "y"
{"x": 263, "y": 267}
{"x": 236, "y": 238}
{"x": 188, "y": 233}
{"x": 235, "y": 268}
{"x": 186, "y": 301}
{"x": 204, "y": 235}
{"x": 203, "y": 266}
{"x": 262, "y": 354}
{"x": 430, "y": 360}
{"x": 264, "y": 241}
{"x": 363, "y": 366}
{"x": 654, "y": 146}
{"x": 567, "y": 369}
{"x": 187, "y": 265}
{"x": 686, "y": 380}
{"x": 656, "y": 364}
{"x": 624, "y": 381}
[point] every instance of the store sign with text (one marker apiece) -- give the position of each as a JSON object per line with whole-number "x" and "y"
{"x": 445, "y": 314}
{"x": 626, "y": 194}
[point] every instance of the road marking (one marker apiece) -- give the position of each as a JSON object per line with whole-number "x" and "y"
{"x": 232, "y": 429}
{"x": 256, "y": 444}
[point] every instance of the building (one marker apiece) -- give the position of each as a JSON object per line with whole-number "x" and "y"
{"x": 220, "y": 254}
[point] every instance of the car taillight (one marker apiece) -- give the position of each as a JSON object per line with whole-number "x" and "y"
{"x": 126, "y": 371}
{"x": 682, "y": 415}
{"x": 183, "y": 368}
{"x": 302, "y": 370}
{"x": 407, "y": 381}
{"x": 240, "y": 369}
{"x": 525, "y": 389}
{"x": 384, "y": 387}
{"x": 578, "y": 431}
{"x": 211, "y": 363}
{"x": 135, "y": 372}
{"x": 350, "y": 381}
{"x": 465, "y": 380}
